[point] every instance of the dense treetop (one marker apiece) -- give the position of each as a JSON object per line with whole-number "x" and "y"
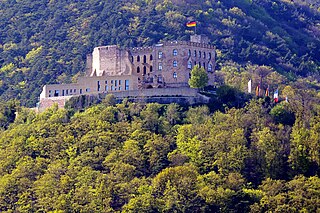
{"x": 45, "y": 41}
{"x": 136, "y": 157}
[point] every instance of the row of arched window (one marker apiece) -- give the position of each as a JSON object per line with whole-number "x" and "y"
{"x": 200, "y": 54}
{"x": 144, "y": 58}
{"x": 210, "y": 67}
{"x": 144, "y": 69}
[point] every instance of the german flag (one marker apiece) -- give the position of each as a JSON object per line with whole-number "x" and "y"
{"x": 191, "y": 24}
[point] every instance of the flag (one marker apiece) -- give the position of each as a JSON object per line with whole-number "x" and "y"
{"x": 249, "y": 86}
{"x": 191, "y": 24}
{"x": 258, "y": 90}
{"x": 275, "y": 96}
{"x": 267, "y": 91}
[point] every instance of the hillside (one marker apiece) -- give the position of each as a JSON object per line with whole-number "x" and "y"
{"x": 135, "y": 157}
{"x": 45, "y": 42}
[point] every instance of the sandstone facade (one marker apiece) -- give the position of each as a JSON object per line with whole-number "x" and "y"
{"x": 164, "y": 65}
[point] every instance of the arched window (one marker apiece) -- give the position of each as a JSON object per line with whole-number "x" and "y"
{"x": 175, "y": 52}
{"x": 204, "y": 55}
{"x": 160, "y": 66}
{"x": 195, "y": 53}
{"x": 209, "y": 56}
{"x": 151, "y": 68}
{"x": 151, "y": 57}
{"x": 199, "y": 54}
{"x": 204, "y": 65}
{"x": 138, "y": 69}
{"x": 195, "y": 63}
{"x": 175, "y": 75}
{"x": 160, "y": 54}
{"x": 144, "y": 70}
{"x": 144, "y": 59}
{"x": 209, "y": 67}
{"x": 175, "y": 63}
{"x": 138, "y": 58}
{"x": 189, "y": 65}
{"x": 189, "y": 53}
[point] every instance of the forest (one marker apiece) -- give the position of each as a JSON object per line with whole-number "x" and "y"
{"x": 46, "y": 41}
{"x": 241, "y": 152}
{"x": 148, "y": 157}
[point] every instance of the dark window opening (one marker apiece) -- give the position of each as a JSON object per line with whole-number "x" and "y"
{"x": 144, "y": 70}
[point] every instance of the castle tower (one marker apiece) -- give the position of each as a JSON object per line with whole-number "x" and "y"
{"x": 110, "y": 60}
{"x": 199, "y": 39}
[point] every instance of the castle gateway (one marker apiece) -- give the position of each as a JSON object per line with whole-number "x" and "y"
{"x": 112, "y": 69}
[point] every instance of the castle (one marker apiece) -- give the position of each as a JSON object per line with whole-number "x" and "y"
{"x": 110, "y": 69}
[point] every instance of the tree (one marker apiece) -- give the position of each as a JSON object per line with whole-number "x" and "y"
{"x": 199, "y": 77}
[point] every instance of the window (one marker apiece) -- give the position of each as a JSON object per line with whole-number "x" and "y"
{"x": 189, "y": 53}
{"x": 120, "y": 82}
{"x": 120, "y": 88}
{"x": 144, "y": 59}
{"x": 80, "y": 91}
{"x": 209, "y": 67}
{"x": 199, "y": 64}
{"x": 199, "y": 54}
{"x": 67, "y": 92}
{"x": 63, "y": 92}
{"x": 160, "y": 54}
{"x": 144, "y": 70}
{"x": 50, "y": 91}
{"x": 175, "y": 52}
{"x": 138, "y": 58}
{"x": 204, "y": 65}
{"x": 106, "y": 88}
{"x": 189, "y": 65}
{"x": 116, "y": 82}
{"x": 174, "y": 75}
{"x": 74, "y": 90}
{"x": 151, "y": 68}
{"x": 106, "y": 82}
{"x": 160, "y": 66}
{"x": 204, "y": 55}
{"x": 195, "y": 53}
{"x": 111, "y": 88}
{"x": 126, "y": 82}
{"x": 70, "y": 90}
{"x": 175, "y": 63}
{"x": 98, "y": 85}
{"x": 151, "y": 57}
{"x": 209, "y": 56}
{"x": 195, "y": 63}
{"x": 160, "y": 79}
{"x": 138, "y": 69}
{"x": 131, "y": 58}
{"x": 111, "y": 81}
{"x": 87, "y": 89}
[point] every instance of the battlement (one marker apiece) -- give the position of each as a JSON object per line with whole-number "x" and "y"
{"x": 187, "y": 43}
{"x": 140, "y": 49}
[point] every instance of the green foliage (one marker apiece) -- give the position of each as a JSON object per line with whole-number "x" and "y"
{"x": 199, "y": 77}
{"x": 282, "y": 114}
{"x": 137, "y": 157}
